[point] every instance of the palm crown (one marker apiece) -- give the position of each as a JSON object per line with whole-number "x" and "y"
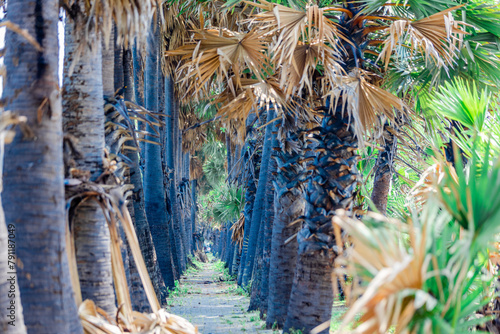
{"x": 332, "y": 49}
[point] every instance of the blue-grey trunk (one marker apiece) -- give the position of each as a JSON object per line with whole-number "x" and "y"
{"x": 268, "y": 226}
{"x": 33, "y": 188}
{"x": 288, "y": 206}
{"x": 261, "y": 267}
{"x": 259, "y": 200}
{"x": 118, "y": 70}
{"x": 154, "y": 192}
{"x": 250, "y": 189}
{"x": 170, "y": 122}
{"x": 194, "y": 209}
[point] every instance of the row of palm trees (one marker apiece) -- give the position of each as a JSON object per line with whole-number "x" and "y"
{"x": 299, "y": 88}
{"x": 337, "y": 75}
{"x": 83, "y": 156}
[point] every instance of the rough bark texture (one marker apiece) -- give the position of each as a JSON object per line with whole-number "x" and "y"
{"x": 268, "y": 226}
{"x": 383, "y": 173}
{"x": 257, "y": 272}
{"x": 172, "y": 122}
{"x": 84, "y": 119}
{"x": 108, "y": 64}
{"x": 332, "y": 180}
{"x": 11, "y": 310}
{"x": 311, "y": 299}
{"x": 118, "y": 74}
{"x": 259, "y": 200}
{"x": 289, "y": 206}
{"x": 194, "y": 209}
{"x": 33, "y": 196}
{"x": 250, "y": 189}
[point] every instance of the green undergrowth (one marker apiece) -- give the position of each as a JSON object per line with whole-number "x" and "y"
{"x": 222, "y": 272}
{"x": 179, "y": 290}
{"x": 195, "y": 267}
{"x": 237, "y": 290}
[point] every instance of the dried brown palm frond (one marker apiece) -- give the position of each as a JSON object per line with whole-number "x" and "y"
{"x": 9, "y": 120}
{"x": 193, "y": 139}
{"x": 238, "y": 229}
{"x": 22, "y": 32}
{"x": 394, "y": 269}
{"x": 217, "y": 55}
{"x": 438, "y": 37}
{"x": 299, "y": 73}
{"x": 364, "y": 101}
{"x": 254, "y": 95}
{"x": 96, "y": 321}
{"x": 430, "y": 181}
{"x": 132, "y": 18}
{"x": 176, "y": 31}
{"x": 195, "y": 168}
{"x": 292, "y": 25}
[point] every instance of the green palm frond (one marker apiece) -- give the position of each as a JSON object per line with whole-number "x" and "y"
{"x": 463, "y": 102}
{"x": 421, "y": 276}
{"x": 472, "y": 198}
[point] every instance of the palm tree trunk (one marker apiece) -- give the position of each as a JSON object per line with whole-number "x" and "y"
{"x": 332, "y": 182}
{"x": 140, "y": 221}
{"x": 268, "y": 227}
{"x": 138, "y": 66}
{"x": 33, "y": 176}
{"x": 108, "y": 64}
{"x": 142, "y": 227}
{"x": 259, "y": 200}
{"x": 84, "y": 119}
{"x": 383, "y": 172}
{"x": 250, "y": 190}
{"x": 118, "y": 64}
{"x": 194, "y": 209}
{"x": 257, "y": 273}
{"x": 312, "y": 291}
{"x": 11, "y": 317}
{"x": 172, "y": 123}
{"x": 154, "y": 192}
{"x": 289, "y": 206}
{"x": 236, "y": 260}
{"x": 261, "y": 273}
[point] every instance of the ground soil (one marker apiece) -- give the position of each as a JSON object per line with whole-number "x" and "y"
{"x": 214, "y": 305}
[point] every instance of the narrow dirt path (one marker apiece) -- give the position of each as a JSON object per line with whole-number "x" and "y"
{"x": 215, "y": 307}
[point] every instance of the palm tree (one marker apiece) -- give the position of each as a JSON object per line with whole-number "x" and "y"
{"x": 328, "y": 57}
{"x": 289, "y": 206}
{"x": 33, "y": 176}
{"x": 84, "y": 119}
{"x": 336, "y": 40}
{"x": 154, "y": 192}
{"x": 258, "y": 208}
{"x": 9, "y": 298}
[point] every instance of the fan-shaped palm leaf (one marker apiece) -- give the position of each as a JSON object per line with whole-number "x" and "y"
{"x": 220, "y": 54}
{"x": 437, "y": 37}
{"x": 463, "y": 102}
